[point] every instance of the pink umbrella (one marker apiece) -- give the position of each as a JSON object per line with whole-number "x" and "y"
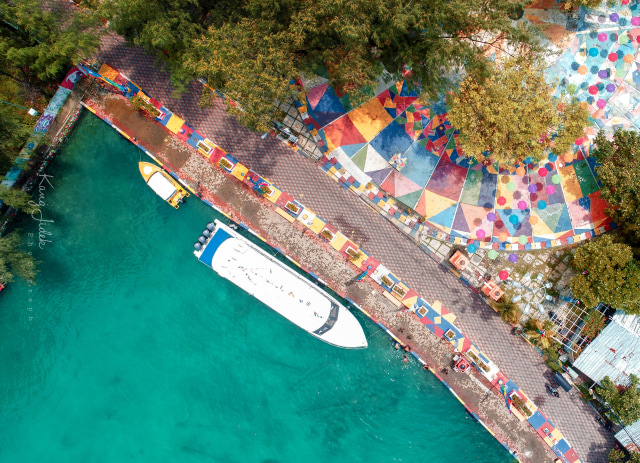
{"x": 480, "y": 234}
{"x": 503, "y": 275}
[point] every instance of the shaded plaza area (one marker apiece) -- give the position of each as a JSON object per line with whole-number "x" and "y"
{"x": 410, "y": 151}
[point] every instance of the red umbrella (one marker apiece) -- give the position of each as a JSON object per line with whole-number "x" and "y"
{"x": 503, "y": 275}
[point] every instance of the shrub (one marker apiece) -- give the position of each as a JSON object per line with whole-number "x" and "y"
{"x": 327, "y": 234}
{"x": 521, "y": 406}
{"x": 594, "y": 323}
{"x": 535, "y": 329}
{"x": 140, "y": 105}
{"x": 509, "y": 310}
{"x": 292, "y": 207}
{"x": 353, "y": 254}
{"x": 265, "y": 190}
{"x": 225, "y": 164}
{"x": 399, "y": 291}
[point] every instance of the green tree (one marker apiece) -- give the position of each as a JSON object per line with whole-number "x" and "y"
{"x": 540, "y": 333}
{"x": 612, "y": 275}
{"x": 512, "y": 115}
{"x": 242, "y": 65}
{"x": 618, "y": 456}
{"x": 47, "y": 40}
{"x": 17, "y": 199}
{"x": 14, "y": 261}
{"x": 573, "y": 119}
{"x": 165, "y": 28}
{"x": 623, "y": 400}
{"x": 14, "y": 130}
{"x": 509, "y": 310}
{"x": 252, "y": 57}
{"x": 618, "y": 169}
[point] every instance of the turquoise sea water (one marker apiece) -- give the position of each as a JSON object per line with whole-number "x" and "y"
{"x": 138, "y": 352}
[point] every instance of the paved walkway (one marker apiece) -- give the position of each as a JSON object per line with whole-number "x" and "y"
{"x": 301, "y": 178}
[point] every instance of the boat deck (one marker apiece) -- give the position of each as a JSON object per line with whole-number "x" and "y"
{"x": 281, "y": 288}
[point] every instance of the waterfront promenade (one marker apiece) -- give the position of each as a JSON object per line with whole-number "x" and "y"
{"x": 301, "y": 178}
{"x": 316, "y": 256}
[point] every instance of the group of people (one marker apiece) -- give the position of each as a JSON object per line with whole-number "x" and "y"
{"x": 406, "y": 348}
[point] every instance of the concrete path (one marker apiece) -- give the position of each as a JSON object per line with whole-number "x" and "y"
{"x": 308, "y": 183}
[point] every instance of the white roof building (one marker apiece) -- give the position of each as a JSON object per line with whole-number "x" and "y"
{"x": 615, "y": 352}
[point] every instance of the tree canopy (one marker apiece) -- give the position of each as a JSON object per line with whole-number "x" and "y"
{"x": 540, "y": 333}
{"x": 46, "y": 40}
{"x": 165, "y": 28}
{"x": 571, "y": 4}
{"x": 624, "y": 401}
{"x": 13, "y": 261}
{"x": 513, "y": 115}
{"x": 608, "y": 274}
{"x": 509, "y": 310}
{"x": 14, "y": 130}
{"x": 618, "y": 169}
{"x": 251, "y": 49}
{"x": 17, "y": 199}
{"x": 250, "y": 67}
{"x": 618, "y": 456}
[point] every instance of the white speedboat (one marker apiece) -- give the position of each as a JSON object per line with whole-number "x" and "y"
{"x": 275, "y": 284}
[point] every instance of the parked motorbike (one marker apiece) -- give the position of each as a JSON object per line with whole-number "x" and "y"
{"x": 603, "y": 423}
{"x": 553, "y": 391}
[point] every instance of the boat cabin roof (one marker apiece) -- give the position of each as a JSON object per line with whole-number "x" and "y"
{"x": 163, "y": 187}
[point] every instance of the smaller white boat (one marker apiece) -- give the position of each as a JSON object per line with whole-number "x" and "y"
{"x": 163, "y": 184}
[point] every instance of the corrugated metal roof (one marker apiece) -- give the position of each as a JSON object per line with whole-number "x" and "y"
{"x": 615, "y": 352}
{"x": 630, "y": 322}
{"x": 629, "y": 437}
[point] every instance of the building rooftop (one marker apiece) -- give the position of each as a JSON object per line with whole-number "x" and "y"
{"x": 615, "y": 352}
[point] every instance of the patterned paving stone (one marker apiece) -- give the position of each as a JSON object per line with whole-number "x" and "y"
{"x": 304, "y": 180}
